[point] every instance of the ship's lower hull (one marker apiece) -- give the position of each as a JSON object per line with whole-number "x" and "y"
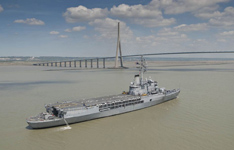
{"x": 149, "y": 102}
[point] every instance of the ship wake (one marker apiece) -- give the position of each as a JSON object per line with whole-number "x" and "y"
{"x": 65, "y": 128}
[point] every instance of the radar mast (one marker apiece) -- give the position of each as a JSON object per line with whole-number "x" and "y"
{"x": 142, "y": 69}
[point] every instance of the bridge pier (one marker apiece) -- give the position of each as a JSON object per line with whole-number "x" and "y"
{"x": 91, "y": 61}
{"x": 85, "y": 63}
{"x": 97, "y": 63}
{"x": 65, "y": 63}
{"x": 74, "y": 63}
{"x": 104, "y": 61}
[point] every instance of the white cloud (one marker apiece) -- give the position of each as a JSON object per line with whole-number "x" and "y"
{"x": 54, "y": 32}
{"x": 183, "y": 36}
{"x": 135, "y": 11}
{"x": 201, "y": 40}
{"x": 164, "y": 38}
{"x": 224, "y": 19}
{"x": 142, "y": 14}
{"x": 156, "y": 22}
{"x": 182, "y": 28}
{"x": 82, "y": 14}
{"x": 78, "y": 28}
{"x": 68, "y": 30}
{"x": 217, "y": 18}
{"x": 208, "y": 12}
{"x": 150, "y": 15}
{"x": 108, "y": 28}
{"x": 167, "y": 32}
{"x": 162, "y": 43}
{"x": 150, "y": 40}
{"x": 30, "y": 21}
{"x": 1, "y": 8}
{"x": 159, "y": 13}
{"x": 182, "y": 6}
{"x": 171, "y": 34}
{"x": 63, "y": 36}
{"x": 145, "y": 15}
{"x": 191, "y": 27}
{"x": 226, "y": 36}
{"x": 207, "y": 15}
{"x": 227, "y": 33}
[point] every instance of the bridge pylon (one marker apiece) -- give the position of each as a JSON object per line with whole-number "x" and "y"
{"x": 118, "y": 51}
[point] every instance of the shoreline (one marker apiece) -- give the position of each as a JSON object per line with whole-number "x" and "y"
{"x": 127, "y": 63}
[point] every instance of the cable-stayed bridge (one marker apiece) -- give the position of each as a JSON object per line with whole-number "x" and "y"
{"x": 74, "y": 63}
{"x": 92, "y": 61}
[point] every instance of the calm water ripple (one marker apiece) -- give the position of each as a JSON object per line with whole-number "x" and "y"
{"x": 201, "y": 118}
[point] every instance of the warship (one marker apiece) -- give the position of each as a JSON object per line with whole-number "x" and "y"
{"x": 142, "y": 93}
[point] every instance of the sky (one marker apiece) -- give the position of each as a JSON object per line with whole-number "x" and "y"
{"x": 88, "y": 28}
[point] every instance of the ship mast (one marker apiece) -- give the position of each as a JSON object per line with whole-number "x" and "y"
{"x": 142, "y": 69}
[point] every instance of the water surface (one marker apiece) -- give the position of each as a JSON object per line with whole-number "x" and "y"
{"x": 201, "y": 118}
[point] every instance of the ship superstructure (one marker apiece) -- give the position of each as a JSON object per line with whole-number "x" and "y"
{"x": 142, "y": 93}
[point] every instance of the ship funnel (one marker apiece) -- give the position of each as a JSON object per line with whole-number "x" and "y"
{"x": 137, "y": 80}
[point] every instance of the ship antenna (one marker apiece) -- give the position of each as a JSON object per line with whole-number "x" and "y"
{"x": 142, "y": 68}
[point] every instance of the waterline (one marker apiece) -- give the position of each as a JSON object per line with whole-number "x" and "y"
{"x": 67, "y": 127}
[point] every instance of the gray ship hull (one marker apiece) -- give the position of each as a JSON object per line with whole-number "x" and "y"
{"x": 148, "y": 101}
